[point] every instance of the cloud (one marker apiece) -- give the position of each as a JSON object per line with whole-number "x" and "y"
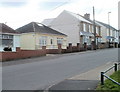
{"x": 37, "y": 10}
{"x": 50, "y": 5}
{"x": 13, "y": 3}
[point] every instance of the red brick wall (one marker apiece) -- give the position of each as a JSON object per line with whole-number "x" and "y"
{"x": 54, "y": 51}
{"x": 4, "y": 56}
{"x": 0, "y": 56}
{"x": 74, "y": 49}
{"x": 21, "y": 54}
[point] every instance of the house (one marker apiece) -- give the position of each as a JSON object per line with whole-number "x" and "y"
{"x": 91, "y": 29}
{"x": 36, "y": 35}
{"x": 76, "y": 27}
{"x": 9, "y": 38}
{"x": 109, "y": 33}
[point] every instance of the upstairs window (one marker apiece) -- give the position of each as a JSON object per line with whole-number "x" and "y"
{"x": 84, "y": 27}
{"x": 89, "y": 28}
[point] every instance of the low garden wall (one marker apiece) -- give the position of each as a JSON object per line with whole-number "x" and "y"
{"x": 19, "y": 54}
{"x": 8, "y": 55}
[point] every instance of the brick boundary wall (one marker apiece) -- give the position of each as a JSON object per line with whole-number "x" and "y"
{"x": 19, "y": 54}
{"x": 0, "y": 56}
{"x": 55, "y": 51}
{"x": 52, "y": 51}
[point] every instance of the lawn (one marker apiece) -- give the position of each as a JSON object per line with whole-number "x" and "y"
{"x": 109, "y": 85}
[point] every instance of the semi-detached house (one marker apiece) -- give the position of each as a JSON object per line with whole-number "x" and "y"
{"x": 109, "y": 34}
{"x": 76, "y": 27}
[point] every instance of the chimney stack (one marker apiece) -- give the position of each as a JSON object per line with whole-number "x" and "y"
{"x": 87, "y": 16}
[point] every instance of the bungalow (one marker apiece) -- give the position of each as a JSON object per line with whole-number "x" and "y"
{"x": 77, "y": 27}
{"x": 36, "y": 35}
{"x": 9, "y": 38}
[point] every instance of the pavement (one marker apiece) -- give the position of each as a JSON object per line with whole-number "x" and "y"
{"x": 85, "y": 81}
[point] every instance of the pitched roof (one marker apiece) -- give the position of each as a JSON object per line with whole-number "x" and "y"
{"x": 106, "y": 25}
{"x": 47, "y": 21}
{"x": 90, "y": 20}
{"x": 6, "y": 29}
{"x": 77, "y": 16}
{"x": 38, "y": 27}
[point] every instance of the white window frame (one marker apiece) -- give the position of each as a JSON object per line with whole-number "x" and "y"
{"x": 84, "y": 27}
{"x": 59, "y": 40}
{"x": 43, "y": 40}
{"x": 89, "y": 29}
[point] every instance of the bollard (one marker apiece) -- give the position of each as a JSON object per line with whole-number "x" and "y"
{"x": 115, "y": 67}
{"x": 102, "y": 78}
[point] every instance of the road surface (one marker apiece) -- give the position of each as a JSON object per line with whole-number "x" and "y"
{"x": 43, "y": 73}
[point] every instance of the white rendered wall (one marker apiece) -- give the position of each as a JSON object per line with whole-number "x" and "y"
{"x": 67, "y": 24}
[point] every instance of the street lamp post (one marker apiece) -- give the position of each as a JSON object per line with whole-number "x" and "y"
{"x": 109, "y": 27}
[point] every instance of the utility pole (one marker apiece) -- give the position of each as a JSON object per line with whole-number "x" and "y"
{"x": 94, "y": 27}
{"x": 109, "y": 27}
{"x": 33, "y": 24}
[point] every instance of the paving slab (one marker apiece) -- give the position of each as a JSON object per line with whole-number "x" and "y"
{"x": 75, "y": 85}
{"x": 85, "y": 81}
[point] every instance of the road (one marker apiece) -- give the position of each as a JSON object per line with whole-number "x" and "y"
{"x": 42, "y": 74}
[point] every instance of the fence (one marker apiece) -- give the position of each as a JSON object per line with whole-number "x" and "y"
{"x": 103, "y": 74}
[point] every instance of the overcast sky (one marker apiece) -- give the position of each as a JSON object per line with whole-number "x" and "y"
{"x": 16, "y": 13}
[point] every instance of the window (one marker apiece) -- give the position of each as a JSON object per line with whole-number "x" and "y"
{"x": 43, "y": 41}
{"x": 86, "y": 39}
{"x": 98, "y": 40}
{"x": 0, "y": 36}
{"x": 89, "y": 30}
{"x": 111, "y": 32}
{"x": 84, "y": 27}
{"x": 97, "y": 30}
{"x": 51, "y": 41}
{"x": 92, "y": 29}
{"x": 59, "y": 40}
{"x": 107, "y": 32}
{"x": 7, "y": 40}
{"x": 5, "y": 36}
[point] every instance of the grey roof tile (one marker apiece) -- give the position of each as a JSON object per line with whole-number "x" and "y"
{"x": 35, "y": 27}
{"x": 6, "y": 29}
{"x": 106, "y": 25}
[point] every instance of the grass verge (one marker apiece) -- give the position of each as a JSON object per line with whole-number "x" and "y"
{"x": 109, "y": 85}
